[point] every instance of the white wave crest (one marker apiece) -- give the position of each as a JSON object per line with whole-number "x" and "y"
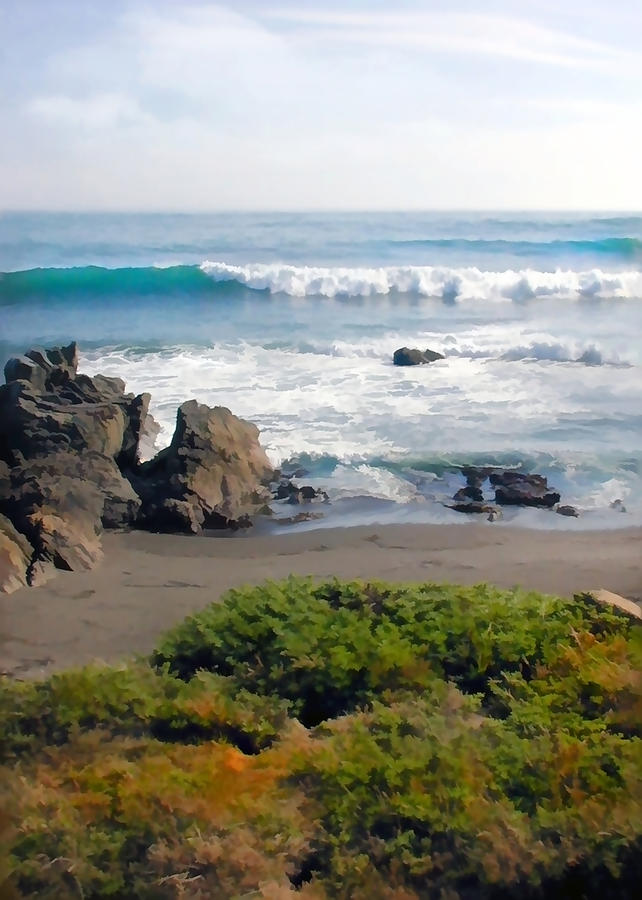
{"x": 559, "y": 352}
{"x": 428, "y": 281}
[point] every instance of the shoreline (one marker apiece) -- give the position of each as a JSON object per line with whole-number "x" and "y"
{"x": 149, "y": 582}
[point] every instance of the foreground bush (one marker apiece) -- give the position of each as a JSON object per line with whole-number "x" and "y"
{"x": 340, "y": 740}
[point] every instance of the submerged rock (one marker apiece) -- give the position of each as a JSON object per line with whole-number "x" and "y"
{"x": 406, "y": 356}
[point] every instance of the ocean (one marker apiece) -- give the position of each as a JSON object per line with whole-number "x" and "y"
{"x": 291, "y": 320}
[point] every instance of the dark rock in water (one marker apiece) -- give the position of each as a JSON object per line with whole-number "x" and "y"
{"x": 284, "y": 490}
{"x": 307, "y": 494}
{"x": 567, "y": 511}
{"x": 406, "y": 356}
{"x": 214, "y": 462}
{"x": 524, "y": 495}
{"x": 469, "y": 492}
{"x": 293, "y": 493}
{"x": 300, "y": 517}
{"x": 518, "y": 489}
{"x": 476, "y": 475}
{"x": 472, "y": 506}
{"x": 618, "y": 506}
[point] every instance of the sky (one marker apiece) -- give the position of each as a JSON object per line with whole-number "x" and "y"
{"x": 159, "y": 105}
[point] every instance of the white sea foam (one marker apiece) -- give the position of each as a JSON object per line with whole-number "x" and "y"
{"x": 446, "y": 283}
{"x": 510, "y": 386}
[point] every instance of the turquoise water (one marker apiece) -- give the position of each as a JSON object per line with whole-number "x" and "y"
{"x": 291, "y": 320}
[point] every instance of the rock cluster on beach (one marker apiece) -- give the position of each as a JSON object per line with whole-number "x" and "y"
{"x": 511, "y": 489}
{"x": 69, "y": 466}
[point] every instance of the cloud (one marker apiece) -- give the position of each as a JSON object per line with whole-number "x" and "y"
{"x": 98, "y": 111}
{"x": 201, "y": 106}
{"x": 455, "y": 32}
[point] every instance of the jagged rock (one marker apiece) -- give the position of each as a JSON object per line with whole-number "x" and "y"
{"x": 214, "y": 462}
{"x": 46, "y": 407}
{"x": 15, "y": 557}
{"x": 65, "y": 359}
{"x": 608, "y": 598}
{"x": 518, "y": 489}
{"x": 618, "y": 506}
{"x": 567, "y": 511}
{"x": 406, "y": 356}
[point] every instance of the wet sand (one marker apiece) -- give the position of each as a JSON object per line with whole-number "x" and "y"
{"x": 149, "y": 582}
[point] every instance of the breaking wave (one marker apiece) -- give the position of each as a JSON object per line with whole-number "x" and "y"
{"x": 450, "y": 284}
{"x": 213, "y": 278}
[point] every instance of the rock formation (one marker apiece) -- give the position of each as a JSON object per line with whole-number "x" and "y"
{"x": 70, "y": 449}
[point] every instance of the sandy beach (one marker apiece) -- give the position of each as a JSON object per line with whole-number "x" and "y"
{"x": 149, "y": 582}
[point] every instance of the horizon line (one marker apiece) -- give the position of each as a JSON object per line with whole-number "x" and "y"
{"x": 314, "y": 210}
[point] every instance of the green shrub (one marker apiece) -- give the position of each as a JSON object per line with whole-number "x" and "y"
{"x": 133, "y": 700}
{"x": 339, "y": 740}
{"x": 330, "y": 648}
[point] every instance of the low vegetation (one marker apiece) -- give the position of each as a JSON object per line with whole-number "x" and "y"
{"x": 338, "y": 740}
